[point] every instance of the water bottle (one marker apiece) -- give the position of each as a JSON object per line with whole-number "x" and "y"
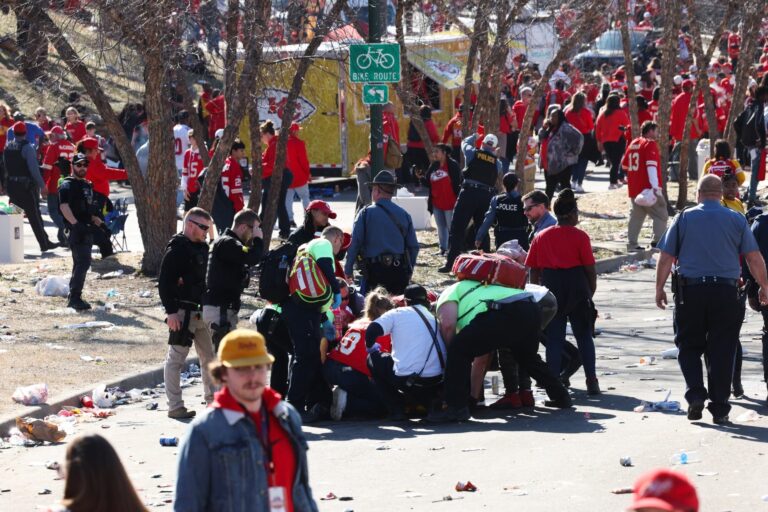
{"x": 683, "y": 457}
{"x": 169, "y": 441}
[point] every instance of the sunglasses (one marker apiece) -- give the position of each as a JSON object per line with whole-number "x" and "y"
{"x": 529, "y": 208}
{"x": 204, "y": 227}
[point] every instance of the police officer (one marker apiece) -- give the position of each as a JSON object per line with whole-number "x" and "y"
{"x": 707, "y": 241}
{"x": 383, "y": 239}
{"x": 81, "y": 219}
{"x": 506, "y": 215}
{"x": 475, "y": 319}
{"x": 483, "y": 169}
{"x": 181, "y": 284}
{"x": 24, "y": 182}
{"x": 232, "y": 255}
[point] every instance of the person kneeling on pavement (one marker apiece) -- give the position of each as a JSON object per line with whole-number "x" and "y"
{"x": 231, "y": 258}
{"x": 346, "y": 364}
{"x": 413, "y": 371}
{"x": 247, "y": 452}
{"x": 476, "y": 319}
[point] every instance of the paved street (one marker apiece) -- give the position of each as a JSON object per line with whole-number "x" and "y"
{"x": 531, "y": 460}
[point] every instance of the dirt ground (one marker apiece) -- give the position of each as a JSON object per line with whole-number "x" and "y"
{"x": 36, "y": 345}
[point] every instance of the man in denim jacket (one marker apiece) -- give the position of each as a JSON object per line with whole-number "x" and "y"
{"x": 248, "y": 452}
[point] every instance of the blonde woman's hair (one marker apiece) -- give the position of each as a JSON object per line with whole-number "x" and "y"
{"x": 377, "y": 303}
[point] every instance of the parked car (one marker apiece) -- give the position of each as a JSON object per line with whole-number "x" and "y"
{"x": 608, "y": 49}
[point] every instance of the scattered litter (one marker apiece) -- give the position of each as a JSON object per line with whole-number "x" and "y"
{"x": 346, "y": 498}
{"x": 156, "y": 475}
{"x": 106, "y": 308}
{"x": 683, "y": 457}
{"x": 665, "y": 405}
{"x": 608, "y": 373}
{"x": 112, "y": 293}
{"x": 655, "y": 319}
{"x": 52, "y": 464}
{"x": 110, "y": 275}
{"x": 53, "y": 286}
{"x": 647, "y": 378}
{"x": 436, "y": 448}
{"x": 606, "y": 316}
{"x": 86, "y": 401}
{"x": 90, "y": 359}
{"x": 61, "y": 311}
{"x": 35, "y": 394}
{"x": 329, "y": 496}
{"x": 16, "y": 438}
{"x": 145, "y": 294}
{"x": 90, "y": 325}
{"x": 424, "y": 475}
{"x": 465, "y": 487}
{"x": 747, "y": 416}
{"x": 410, "y": 494}
{"x": 151, "y": 406}
{"x": 514, "y": 490}
{"x": 383, "y": 447}
{"x": 473, "y": 449}
{"x": 647, "y": 360}
{"x": 626, "y": 462}
{"x": 42, "y": 492}
{"x": 103, "y": 398}
{"x": 40, "y": 430}
{"x": 670, "y": 353}
{"x": 447, "y": 498}
{"x": 632, "y": 267}
{"x": 607, "y": 358}
{"x": 622, "y": 490}
{"x": 169, "y": 441}
{"x": 17, "y": 290}
{"x": 58, "y": 347}
{"x": 706, "y": 473}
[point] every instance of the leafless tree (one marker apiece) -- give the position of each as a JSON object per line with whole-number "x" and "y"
{"x": 629, "y": 69}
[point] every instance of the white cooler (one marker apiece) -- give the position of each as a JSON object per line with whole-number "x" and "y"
{"x": 417, "y": 208}
{"x": 11, "y": 238}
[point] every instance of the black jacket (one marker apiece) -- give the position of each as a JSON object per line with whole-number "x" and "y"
{"x": 301, "y": 236}
{"x": 229, "y": 269}
{"x": 182, "y": 274}
{"x": 453, "y": 171}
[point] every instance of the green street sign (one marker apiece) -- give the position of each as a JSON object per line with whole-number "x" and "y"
{"x": 375, "y": 94}
{"x": 376, "y": 62}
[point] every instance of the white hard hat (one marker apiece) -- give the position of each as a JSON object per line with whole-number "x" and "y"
{"x": 646, "y": 14}
{"x": 677, "y": 80}
{"x": 219, "y": 133}
{"x": 490, "y": 140}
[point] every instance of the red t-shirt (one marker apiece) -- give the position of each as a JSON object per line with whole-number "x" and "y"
{"x": 734, "y": 45}
{"x": 452, "y": 134}
{"x": 351, "y": 350}
{"x": 609, "y": 127}
{"x": 51, "y": 171}
{"x": 268, "y": 158}
{"x": 297, "y": 161}
{"x": 218, "y": 114}
{"x": 560, "y": 247}
{"x": 193, "y": 164}
{"x": 443, "y": 196}
{"x": 519, "y": 108}
{"x": 100, "y": 175}
{"x": 640, "y": 154}
{"x": 283, "y": 455}
{"x": 76, "y": 131}
{"x": 581, "y": 120}
{"x": 232, "y": 181}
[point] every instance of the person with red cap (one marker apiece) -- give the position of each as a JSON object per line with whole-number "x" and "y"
{"x": 316, "y": 218}
{"x": 56, "y": 162}
{"x": 297, "y": 161}
{"x": 98, "y": 173}
{"x": 664, "y": 490}
{"x": 22, "y": 181}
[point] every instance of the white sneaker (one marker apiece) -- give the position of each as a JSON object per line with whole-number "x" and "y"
{"x": 578, "y": 189}
{"x": 339, "y": 403}
{"x": 614, "y": 186}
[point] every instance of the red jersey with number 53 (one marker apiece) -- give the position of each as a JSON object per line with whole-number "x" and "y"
{"x": 351, "y": 350}
{"x": 641, "y": 154}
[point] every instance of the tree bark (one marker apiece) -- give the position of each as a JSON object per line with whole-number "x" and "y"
{"x": 586, "y": 30}
{"x": 472, "y": 57}
{"x": 270, "y": 212}
{"x": 669, "y": 57}
{"x": 629, "y": 70}
{"x": 753, "y": 18}
{"x": 35, "y": 48}
{"x": 254, "y": 201}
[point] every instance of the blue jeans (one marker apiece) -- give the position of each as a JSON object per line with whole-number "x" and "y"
{"x": 443, "y": 221}
{"x": 300, "y": 192}
{"x": 581, "y": 323}
{"x": 580, "y": 170}
{"x": 362, "y": 396}
{"x": 55, "y": 214}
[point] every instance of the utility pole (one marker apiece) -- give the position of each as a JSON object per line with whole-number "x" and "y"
{"x": 376, "y": 8}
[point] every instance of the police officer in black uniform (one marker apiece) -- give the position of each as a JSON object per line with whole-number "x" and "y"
{"x": 482, "y": 171}
{"x": 231, "y": 257}
{"x": 81, "y": 218}
{"x": 24, "y": 182}
{"x": 707, "y": 241}
{"x": 505, "y": 214}
{"x": 181, "y": 285}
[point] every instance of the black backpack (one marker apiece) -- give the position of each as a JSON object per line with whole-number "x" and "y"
{"x": 746, "y": 126}
{"x": 273, "y": 273}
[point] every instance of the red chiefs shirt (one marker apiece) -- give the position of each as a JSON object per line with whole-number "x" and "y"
{"x": 75, "y": 130}
{"x": 641, "y": 154}
{"x": 581, "y": 120}
{"x": 611, "y": 128}
{"x": 520, "y": 108}
{"x": 351, "y": 350}
{"x": 721, "y": 167}
{"x": 100, "y": 175}
{"x": 51, "y": 171}
{"x": 193, "y": 165}
{"x": 268, "y": 158}
{"x": 677, "y": 117}
{"x": 560, "y": 247}
{"x": 653, "y": 108}
{"x": 297, "y": 161}
{"x": 232, "y": 181}
{"x": 452, "y": 134}
{"x": 218, "y": 114}
{"x": 441, "y": 189}
{"x": 283, "y": 455}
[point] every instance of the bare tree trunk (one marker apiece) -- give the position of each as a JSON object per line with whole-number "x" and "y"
{"x": 270, "y": 212}
{"x": 254, "y": 202}
{"x": 682, "y": 174}
{"x": 752, "y": 14}
{"x": 629, "y": 69}
{"x": 586, "y": 30}
{"x": 35, "y": 47}
{"x": 702, "y": 62}
{"x": 669, "y": 57}
{"x": 472, "y": 58}
{"x": 230, "y": 55}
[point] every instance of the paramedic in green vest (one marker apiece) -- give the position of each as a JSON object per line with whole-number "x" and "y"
{"x": 475, "y": 319}
{"x": 304, "y": 322}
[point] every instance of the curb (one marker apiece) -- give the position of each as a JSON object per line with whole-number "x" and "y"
{"x": 614, "y": 263}
{"x": 147, "y": 379}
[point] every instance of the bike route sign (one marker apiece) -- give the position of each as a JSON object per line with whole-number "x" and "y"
{"x": 375, "y": 62}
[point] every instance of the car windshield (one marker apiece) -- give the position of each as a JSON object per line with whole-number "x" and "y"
{"x": 611, "y": 40}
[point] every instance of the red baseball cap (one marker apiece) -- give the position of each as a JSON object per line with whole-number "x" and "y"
{"x": 346, "y": 242}
{"x": 89, "y": 143}
{"x": 19, "y": 128}
{"x": 57, "y": 130}
{"x": 321, "y": 206}
{"x": 688, "y": 83}
{"x": 665, "y": 490}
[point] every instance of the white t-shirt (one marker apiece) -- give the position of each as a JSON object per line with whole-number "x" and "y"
{"x": 412, "y": 342}
{"x": 180, "y": 143}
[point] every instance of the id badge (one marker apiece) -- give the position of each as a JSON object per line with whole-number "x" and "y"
{"x": 277, "y": 499}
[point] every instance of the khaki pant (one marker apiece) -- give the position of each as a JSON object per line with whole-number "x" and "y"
{"x": 176, "y": 358}
{"x": 212, "y": 315}
{"x": 657, "y": 212}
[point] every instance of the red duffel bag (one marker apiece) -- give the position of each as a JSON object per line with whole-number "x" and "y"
{"x": 490, "y": 268}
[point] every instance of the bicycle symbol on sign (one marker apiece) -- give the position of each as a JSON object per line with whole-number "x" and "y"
{"x": 377, "y": 57}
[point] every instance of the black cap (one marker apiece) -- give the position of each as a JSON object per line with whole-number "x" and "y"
{"x": 416, "y": 294}
{"x": 79, "y": 158}
{"x": 384, "y": 178}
